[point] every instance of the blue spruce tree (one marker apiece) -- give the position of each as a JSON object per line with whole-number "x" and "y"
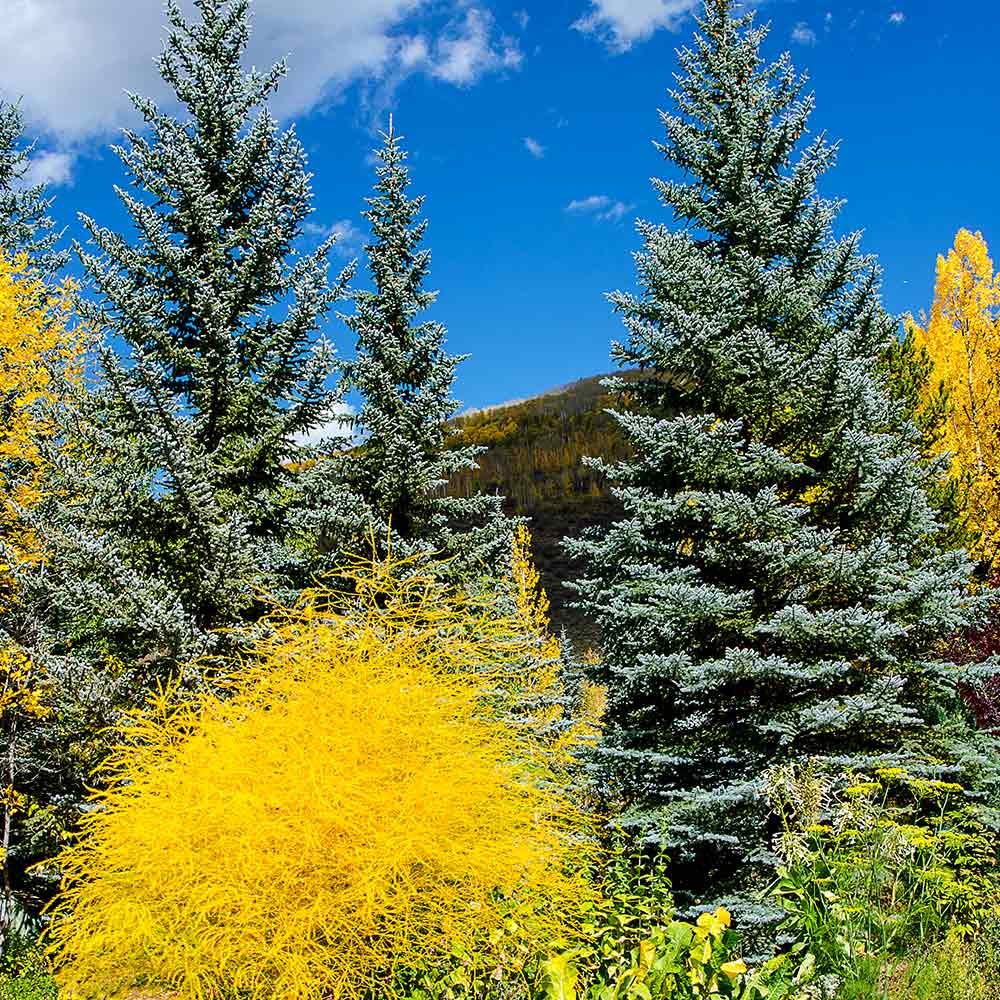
{"x": 774, "y": 592}
{"x": 192, "y": 495}
{"x": 401, "y": 468}
{"x": 25, "y": 225}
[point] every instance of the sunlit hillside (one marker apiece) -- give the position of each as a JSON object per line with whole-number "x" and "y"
{"x": 535, "y": 458}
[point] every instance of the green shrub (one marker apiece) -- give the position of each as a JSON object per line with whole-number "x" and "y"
{"x": 675, "y": 960}
{"x": 880, "y": 869}
{"x": 954, "y": 968}
{"x": 24, "y": 975}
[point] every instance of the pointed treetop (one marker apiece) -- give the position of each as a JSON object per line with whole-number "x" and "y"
{"x": 25, "y": 225}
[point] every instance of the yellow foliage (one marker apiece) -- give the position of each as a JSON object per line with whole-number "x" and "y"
{"x": 35, "y": 339}
{"x": 541, "y": 678}
{"x": 962, "y": 338}
{"x": 532, "y": 601}
{"x": 355, "y": 807}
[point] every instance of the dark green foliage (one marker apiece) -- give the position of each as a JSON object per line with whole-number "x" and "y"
{"x": 24, "y": 975}
{"x": 533, "y": 458}
{"x": 776, "y": 589}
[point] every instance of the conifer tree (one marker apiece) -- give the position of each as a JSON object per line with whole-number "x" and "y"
{"x": 190, "y": 500}
{"x": 405, "y": 376}
{"x": 774, "y": 592}
{"x": 25, "y": 225}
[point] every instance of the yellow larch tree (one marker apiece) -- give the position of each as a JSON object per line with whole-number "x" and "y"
{"x": 38, "y": 348}
{"x": 962, "y": 339}
{"x": 568, "y": 708}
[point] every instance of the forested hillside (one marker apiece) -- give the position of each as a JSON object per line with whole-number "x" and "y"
{"x": 534, "y": 458}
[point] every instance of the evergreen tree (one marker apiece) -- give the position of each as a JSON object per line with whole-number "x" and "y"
{"x": 774, "y": 592}
{"x": 25, "y": 225}
{"x": 403, "y": 465}
{"x": 192, "y": 494}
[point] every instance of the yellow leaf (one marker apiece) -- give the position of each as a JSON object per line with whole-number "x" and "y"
{"x": 734, "y": 968}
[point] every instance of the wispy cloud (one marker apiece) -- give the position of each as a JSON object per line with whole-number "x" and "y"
{"x": 622, "y": 23}
{"x": 897, "y": 17}
{"x": 601, "y": 207}
{"x": 350, "y": 239}
{"x": 52, "y": 168}
{"x": 534, "y": 147}
{"x": 523, "y": 18}
{"x": 803, "y": 34}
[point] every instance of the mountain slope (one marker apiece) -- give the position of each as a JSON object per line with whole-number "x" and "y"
{"x": 534, "y": 458}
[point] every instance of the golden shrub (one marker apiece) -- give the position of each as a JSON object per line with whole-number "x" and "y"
{"x": 353, "y": 808}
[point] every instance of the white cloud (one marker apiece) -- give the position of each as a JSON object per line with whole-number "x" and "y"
{"x": 467, "y": 52}
{"x": 600, "y": 206}
{"x": 51, "y": 167}
{"x": 897, "y": 17}
{"x": 523, "y": 18}
{"x": 616, "y": 212}
{"x": 591, "y": 204}
{"x": 413, "y": 52}
{"x": 336, "y": 425}
{"x": 350, "y": 239}
{"x": 534, "y": 147}
{"x": 803, "y": 34}
{"x": 94, "y": 51}
{"x": 622, "y": 23}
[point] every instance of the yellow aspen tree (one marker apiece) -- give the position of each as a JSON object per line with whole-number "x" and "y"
{"x": 36, "y": 343}
{"x": 962, "y": 339}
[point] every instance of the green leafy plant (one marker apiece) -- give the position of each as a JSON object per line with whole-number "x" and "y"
{"x": 24, "y": 973}
{"x": 878, "y": 868}
{"x": 676, "y": 959}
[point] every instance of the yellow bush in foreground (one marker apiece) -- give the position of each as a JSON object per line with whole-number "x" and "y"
{"x": 353, "y": 808}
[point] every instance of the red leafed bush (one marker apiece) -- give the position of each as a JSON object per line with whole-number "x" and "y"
{"x": 974, "y": 646}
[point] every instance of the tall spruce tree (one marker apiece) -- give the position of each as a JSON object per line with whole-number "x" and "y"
{"x": 774, "y": 593}
{"x": 25, "y": 225}
{"x": 192, "y": 495}
{"x": 403, "y": 464}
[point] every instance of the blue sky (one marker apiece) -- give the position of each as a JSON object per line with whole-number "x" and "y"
{"x": 530, "y": 126}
